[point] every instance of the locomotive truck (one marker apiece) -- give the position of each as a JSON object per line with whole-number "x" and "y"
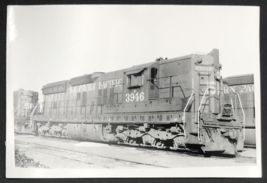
{"x": 244, "y": 86}
{"x": 173, "y": 104}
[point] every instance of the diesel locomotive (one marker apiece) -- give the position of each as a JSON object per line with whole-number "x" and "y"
{"x": 176, "y": 104}
{"x": 244, "y": 86}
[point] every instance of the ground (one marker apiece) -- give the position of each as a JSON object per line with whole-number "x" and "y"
{"x": 65, "y": 153}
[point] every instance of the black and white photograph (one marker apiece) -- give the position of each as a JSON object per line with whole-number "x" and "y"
{"x": 133, "y": 91}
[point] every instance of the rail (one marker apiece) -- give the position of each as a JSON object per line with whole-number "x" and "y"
{"x": 185, "y": 110}
{"x": 207, "y": 100}
{"x": 67, "y": 153}
{"x": 171, "y": 86}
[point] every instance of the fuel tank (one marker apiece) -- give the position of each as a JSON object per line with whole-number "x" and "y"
{"x": 91, "y": 132}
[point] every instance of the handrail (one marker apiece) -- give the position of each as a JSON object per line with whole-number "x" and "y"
{"x": 244, "y": 118}
{"x": 31, "y": 115}
{"x": 232, "y": 105}
{"x": 16, "y": 109}
{"x": 208, "y": 99}
{"x": 181, "y": 87}
{"x": 184, "y": 112}
{"x": 198, "y": 111}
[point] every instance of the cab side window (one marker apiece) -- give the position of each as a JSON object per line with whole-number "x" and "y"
{"x": 135, "y": 79}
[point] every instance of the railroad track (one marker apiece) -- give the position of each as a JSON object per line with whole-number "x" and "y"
{"x": 135, "y": 157}
{"x": 195, "y": 154}
{"x": 90, "y": 155}
{"x": 78, "y": 156}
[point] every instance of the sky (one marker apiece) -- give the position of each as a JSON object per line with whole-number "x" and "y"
{"x": 46, "y": 44}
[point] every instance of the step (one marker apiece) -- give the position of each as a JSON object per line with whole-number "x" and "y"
{"x": 194, "y": 133}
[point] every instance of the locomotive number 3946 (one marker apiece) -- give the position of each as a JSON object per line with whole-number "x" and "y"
{"x": 131, "y": 97}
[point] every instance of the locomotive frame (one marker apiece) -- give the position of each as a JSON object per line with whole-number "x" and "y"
{"x": 170, "y": 103}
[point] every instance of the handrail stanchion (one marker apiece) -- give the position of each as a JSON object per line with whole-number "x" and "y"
{"x": 232, "y": 105}
{"x": 184, "y": 111}
{"x": 243, "y": 113}
{"x": 31, "y": 115}
{"x": 16, "y": 109}
{"x": 199, "y": 111}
